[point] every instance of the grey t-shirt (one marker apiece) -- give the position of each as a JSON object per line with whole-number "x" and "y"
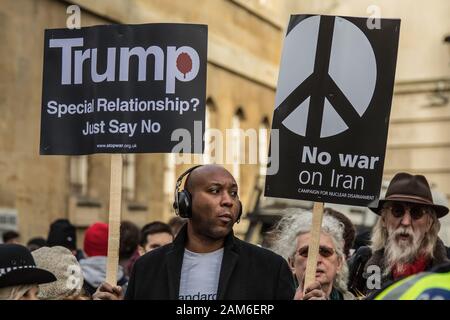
{"x": 200, "y": 275}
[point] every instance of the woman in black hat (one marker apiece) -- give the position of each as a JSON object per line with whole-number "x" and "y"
{"x": 19, "y": 276}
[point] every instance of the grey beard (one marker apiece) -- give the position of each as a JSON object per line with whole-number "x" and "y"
{"x": 400, "y": 253}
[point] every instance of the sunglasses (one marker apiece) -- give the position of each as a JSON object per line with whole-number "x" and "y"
{"x": 323, "y": 251}
{"x": 398, "y": 210}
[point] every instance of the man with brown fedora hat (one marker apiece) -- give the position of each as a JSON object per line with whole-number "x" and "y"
{"x": 405, "y": 238}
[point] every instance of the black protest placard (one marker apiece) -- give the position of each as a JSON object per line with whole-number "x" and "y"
{"x": 124, "y": 89}
{"x": 332, "y": 109}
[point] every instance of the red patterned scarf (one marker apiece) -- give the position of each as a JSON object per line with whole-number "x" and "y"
{"x": 408, "y": 269}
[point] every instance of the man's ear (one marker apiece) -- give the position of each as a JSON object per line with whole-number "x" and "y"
{"x": 382, "y": 218}
{"x": 430, "y": 223}
{"x": 340, "y": 264}
{"x": 291, "y": 264}
{"x": 141, "y": 250}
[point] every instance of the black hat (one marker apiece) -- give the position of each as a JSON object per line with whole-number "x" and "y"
{"x": 62, "y": 233}
{"x": 405, "y": 187}
{"x": 17, "y": 267}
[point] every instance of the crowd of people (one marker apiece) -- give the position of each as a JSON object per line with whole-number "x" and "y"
{"x": 55, "y": 269}
{"x": 197, "y": 257}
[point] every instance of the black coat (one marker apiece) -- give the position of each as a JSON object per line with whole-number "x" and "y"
{"x": 247, "y": 272}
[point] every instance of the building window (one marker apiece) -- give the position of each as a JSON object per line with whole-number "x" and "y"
{"x": 169, "y": 177}
{"x": 237, "y": 144}
{"x": 79, "y": 175}
{"x": 129, "y": 176}
{"x": 210, "y": 114}
{"x": 263, "y": 146}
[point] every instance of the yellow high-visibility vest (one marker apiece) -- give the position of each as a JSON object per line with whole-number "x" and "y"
{"x": 422, "y": 286}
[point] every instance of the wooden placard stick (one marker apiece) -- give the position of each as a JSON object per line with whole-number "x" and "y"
{"x": 115, "y": 203}
{"x": 314, "y": 241}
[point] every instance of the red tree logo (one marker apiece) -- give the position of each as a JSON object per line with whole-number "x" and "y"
{"x": 184, "y": 63}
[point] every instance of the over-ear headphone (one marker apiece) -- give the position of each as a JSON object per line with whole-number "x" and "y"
{"x": 183, "y": 199}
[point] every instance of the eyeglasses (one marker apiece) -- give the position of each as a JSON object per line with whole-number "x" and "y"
{"x": 323, "y": 251}
{"x": 398, "y": 210}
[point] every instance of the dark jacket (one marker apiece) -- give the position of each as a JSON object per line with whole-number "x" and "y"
{"x": 247, "y": 272}
{"x": 364, "y": 257}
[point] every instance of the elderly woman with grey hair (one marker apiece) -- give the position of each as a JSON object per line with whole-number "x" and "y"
{"x": 292, "y": 239}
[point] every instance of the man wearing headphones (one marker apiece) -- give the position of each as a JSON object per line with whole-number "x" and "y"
{"x": 206, "y": 261}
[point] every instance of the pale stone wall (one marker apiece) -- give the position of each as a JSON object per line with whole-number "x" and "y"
{"x": 244, "y": 50}
{"x": 245, "y": 41}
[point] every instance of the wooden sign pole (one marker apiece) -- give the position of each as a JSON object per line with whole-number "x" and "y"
{"x": 313, "y": 248}
{"x": 115, "y": 202}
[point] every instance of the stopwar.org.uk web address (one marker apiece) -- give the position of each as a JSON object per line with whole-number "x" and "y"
{"x": 117, "y": 145}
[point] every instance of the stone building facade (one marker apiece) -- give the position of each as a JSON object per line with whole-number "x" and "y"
{"x": 244, "y": 49}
